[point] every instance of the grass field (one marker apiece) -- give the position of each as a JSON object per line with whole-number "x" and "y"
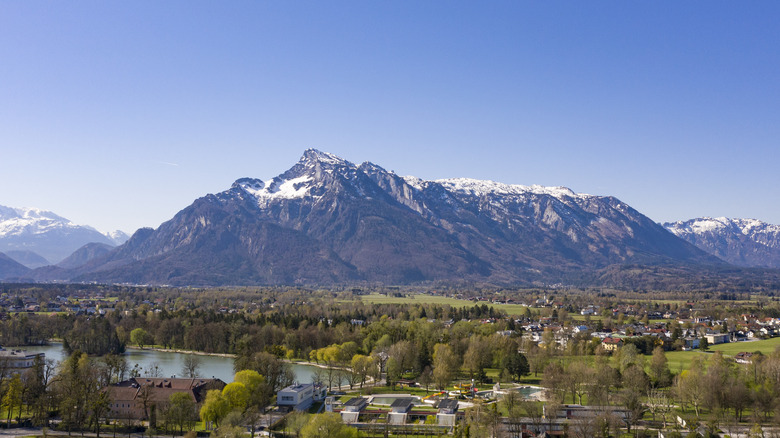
{"x": 732, "y": 348}
{"x": 681, "y": 360}
{"x": 510, "y": 309}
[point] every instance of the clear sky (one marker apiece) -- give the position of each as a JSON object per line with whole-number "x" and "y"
{"x": 119, "y": 114}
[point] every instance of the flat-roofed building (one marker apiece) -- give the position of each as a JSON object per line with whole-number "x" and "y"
{"x": 16, "y": 361}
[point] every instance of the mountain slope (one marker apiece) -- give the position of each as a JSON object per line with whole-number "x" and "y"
{"x": 742, "y": 242}
{"x": 327, "y": 221}
{"x": 86, "y": 253}
{"x": 10, "y": 268}
{"x": 27, "y": 258}
{"x": 44, "y": 233}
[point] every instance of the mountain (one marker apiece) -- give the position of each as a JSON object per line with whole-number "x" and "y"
{"x": 742, "y": 242}
{"x": 28, "y": 258}
{"x": 117, "y": 237}
{"x": 327, "y": 220}
{"x": 10, "y": 268}
{"x": 85, "y": 254}
{"x": 46, "y": 234}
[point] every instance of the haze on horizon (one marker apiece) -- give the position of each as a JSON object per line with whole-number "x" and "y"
{"x": 118, "y": 115}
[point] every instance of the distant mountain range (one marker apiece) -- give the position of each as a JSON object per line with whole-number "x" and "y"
{"x": 741, "y": 242}
{"x": 328, "y": 221}
{"x": 37, "y": 238}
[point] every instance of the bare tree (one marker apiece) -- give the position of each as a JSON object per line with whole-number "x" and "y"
{"x": 190, "y": 367}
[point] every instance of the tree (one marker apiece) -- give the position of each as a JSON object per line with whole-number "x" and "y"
{"x": 214, "y": 408}
{"x": 295, "y": 421}
{"x": 361, "y": 367}
{"x": 76, "y": 386}
{"x": 426, "y": 377}
{"x": 537, "y": 359}
{"x": 691, "y": 387}
{"x": 13, "y": 395}
{"x": 444, "y": 365}
{"x": 660, "y": 376}
{"x": 181, "y": 411}
{"x": 328, "y": 425}
{"x": 476, "y": 357}
{"x": 236, "y": 395}
{"x": 394, "y": 371}
{"x": 139, "y": 337}
{"x": 38, "y": 380}
{"x": 516, "y": 363}
{"x": 190, "y": 367}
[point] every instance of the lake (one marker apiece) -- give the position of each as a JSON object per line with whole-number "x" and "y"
{"x": 170, "y": 363}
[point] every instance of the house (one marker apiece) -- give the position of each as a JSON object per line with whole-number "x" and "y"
{"x": 611, "y": 344}
{"x": 300, "y": 397}
{"x": 716, "y": 338}
{"x": 580, "y": 329}
{"x": 16, "y": 361}
{"x": 137, "y": 397}
{"x": 690, "y": 343}
{"x": 744, "y": 357}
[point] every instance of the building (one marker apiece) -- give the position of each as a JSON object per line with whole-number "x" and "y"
{"x": 135, "y": 398}
{"x": 300, "y": 396}
{"x": 690, "y": 343}
{"x": 399, "y": 410}
{"x": 351, "y": 411}
{"x": 744, "y": 357}
{"x": 716, "y": 338}
{"x": 448, "y": 411}
{"x": 611, "y": 344}
{"x": 16, "y": 361}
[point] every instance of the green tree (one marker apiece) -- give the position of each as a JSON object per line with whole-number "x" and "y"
{"x": 139, "y": 337}
{"x": 214, "y": 408}
{"x": 328, "y": 425}
{"x": 236, "y": 395}
{"x": 13, "y": 395}
{"x": 516, "y": 363}
{"x": 660, "y": 375}
{"x": 444, "y": 365}
{"x": 181, "y": 411}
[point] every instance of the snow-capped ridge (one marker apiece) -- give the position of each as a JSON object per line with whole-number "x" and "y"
{"x": 484, "y": 187}
{"x": 709, "y": 225}
{"x": 278, "y": 188}
{"x": 317, "y": 156}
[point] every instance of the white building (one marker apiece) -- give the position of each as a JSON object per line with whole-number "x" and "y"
{"x": 16, "y": 361}
{"x": 301, "y": 396}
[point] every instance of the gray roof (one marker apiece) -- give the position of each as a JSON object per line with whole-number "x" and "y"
{"x": 448, "y": 403}
{"x": 403, "y": 402}
{"x": 357, "y": 401}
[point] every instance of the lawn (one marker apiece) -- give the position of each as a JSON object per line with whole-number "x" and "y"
{"x": 766, "y": 346}
{"x": 681, "y": 360}
{"x": 510, "y": 309}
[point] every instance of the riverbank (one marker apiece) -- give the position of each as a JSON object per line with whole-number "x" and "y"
{"x": 174, "y": 350}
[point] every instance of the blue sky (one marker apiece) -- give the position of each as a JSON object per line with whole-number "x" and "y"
{"x": 119, "y": 114}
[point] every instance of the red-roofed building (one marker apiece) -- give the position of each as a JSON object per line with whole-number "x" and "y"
{"x": 132, "y": 399}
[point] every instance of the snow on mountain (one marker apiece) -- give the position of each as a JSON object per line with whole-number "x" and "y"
{"x": 117, "y": 237}
{"x": 18, "y": 221}
{"x": 744, "y": 242}
{"x": 42, "y": 232}
{"x": 476, "y": 187}
{"x": 326, "y": 220}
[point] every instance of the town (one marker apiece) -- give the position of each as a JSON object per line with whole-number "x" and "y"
{"x": 507, "y": 363}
